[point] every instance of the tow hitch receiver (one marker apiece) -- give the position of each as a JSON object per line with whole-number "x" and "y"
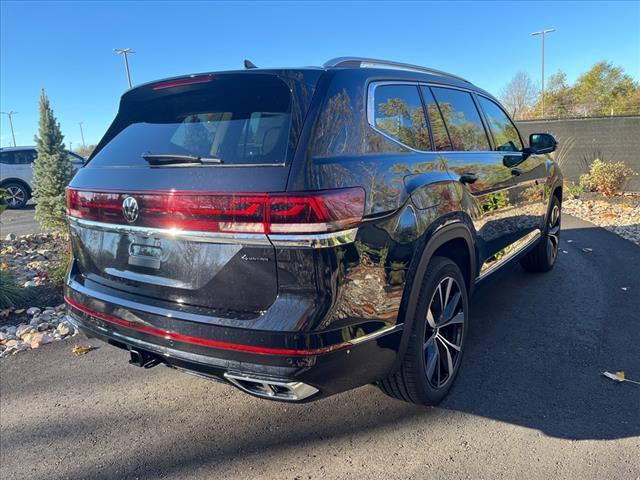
{"x": 143, "y": 359}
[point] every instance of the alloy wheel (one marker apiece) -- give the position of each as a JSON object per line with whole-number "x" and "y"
{"x": 553, "y": 234}
{"x": 444, "y": 332}
{"x": 15, "y": 195}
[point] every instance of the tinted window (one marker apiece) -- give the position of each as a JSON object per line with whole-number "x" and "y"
{"x": 238, "y": 118}
{"x": 398, "y": 112}
{"x": 18, "y": 157}
{"x": 439, "y": 131}
{"x": 462, "y": 119}
{"x": 502, "y": 129}
{"x": 6, "y": 158}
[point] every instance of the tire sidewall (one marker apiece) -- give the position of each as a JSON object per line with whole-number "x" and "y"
{"x": 26, "y": 195}
{"x": 438, "y": 269}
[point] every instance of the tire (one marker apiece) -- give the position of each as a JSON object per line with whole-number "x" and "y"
{"x": 17, "y": 194}
{"x": 543, "y": 257}
{"x": 432, "y": 360}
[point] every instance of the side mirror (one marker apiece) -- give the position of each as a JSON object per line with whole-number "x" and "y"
{"x": 542, "y": 143}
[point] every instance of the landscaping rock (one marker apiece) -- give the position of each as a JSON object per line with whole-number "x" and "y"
{"x": 33, "y": 311}
{"x": 65, "y": 328}
{"x": 23, "y": 329}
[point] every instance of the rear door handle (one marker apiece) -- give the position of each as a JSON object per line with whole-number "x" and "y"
{"x": 468, "y": 178}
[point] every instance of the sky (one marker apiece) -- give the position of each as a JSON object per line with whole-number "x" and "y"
{"x": 67, "y": 47}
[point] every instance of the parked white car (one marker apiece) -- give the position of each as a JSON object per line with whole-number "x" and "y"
{"x": 16, "y": 173}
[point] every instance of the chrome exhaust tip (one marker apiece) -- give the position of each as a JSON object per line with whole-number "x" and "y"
{"x": 267, "y": 388}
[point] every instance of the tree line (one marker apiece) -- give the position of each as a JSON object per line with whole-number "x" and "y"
{"x": 603, "y": 90}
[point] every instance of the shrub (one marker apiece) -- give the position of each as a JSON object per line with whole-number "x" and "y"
{"x": 10, "y": 292}
{"x": 573, "y": 190}
{"x": 607, "y": 178}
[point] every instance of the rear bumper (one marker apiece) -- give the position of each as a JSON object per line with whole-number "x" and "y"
{"x": 326, "y": 362}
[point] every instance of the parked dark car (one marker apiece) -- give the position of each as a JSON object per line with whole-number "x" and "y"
{"x": 301, "y": 232}
{"x": 16, "y": 173}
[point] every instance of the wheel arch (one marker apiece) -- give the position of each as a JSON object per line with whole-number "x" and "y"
{"x": 7, "y": 181}
{"x": 453, "y": 239}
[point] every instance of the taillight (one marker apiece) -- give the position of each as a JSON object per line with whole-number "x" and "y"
{"x": 295, "y": 213}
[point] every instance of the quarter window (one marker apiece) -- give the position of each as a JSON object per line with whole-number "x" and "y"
{"x": 462, "y": 120}
{"x": 398, "y": 113}
{"x": 503, "y": 130}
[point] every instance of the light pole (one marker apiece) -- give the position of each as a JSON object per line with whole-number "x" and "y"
{"x": 542, "y": 33}
{"x": 124, "y": 52}
{"x": 82, "y": 135}
{"x": 13, "y": 135}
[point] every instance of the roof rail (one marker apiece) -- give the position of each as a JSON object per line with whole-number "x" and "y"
{"x": 360, "y": 62}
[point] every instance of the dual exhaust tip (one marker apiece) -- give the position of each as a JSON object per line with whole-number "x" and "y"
{"x": 276, "y": 390}
{"x": 260, "y": 387}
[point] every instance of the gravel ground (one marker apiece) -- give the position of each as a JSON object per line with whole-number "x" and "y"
{"x": 37, "y": 318}
{"x": 530, "y": 401}
{"x": 619, "y": 214}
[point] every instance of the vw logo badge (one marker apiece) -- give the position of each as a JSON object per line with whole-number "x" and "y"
{"x": 130, "y": 209}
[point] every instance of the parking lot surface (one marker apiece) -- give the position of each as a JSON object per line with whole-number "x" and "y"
{"x": 19, "y": 222}
{"x": 530, "y": 401}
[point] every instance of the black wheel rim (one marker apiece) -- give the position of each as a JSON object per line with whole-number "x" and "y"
{"x": 15, "y": 196}
{"x": 553, "y": 234}
{"x": 444, "y": 332}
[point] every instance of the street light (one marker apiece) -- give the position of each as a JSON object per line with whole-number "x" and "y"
{"x": 13, "y": 135}
{"x": 542, "y": 33}
{"x": 82, "y": 135}
{"x": 124, "y": 52}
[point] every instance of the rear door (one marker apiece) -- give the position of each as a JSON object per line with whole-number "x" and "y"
{"x": 187, "y": 233}
{"x": 491, "y": 185}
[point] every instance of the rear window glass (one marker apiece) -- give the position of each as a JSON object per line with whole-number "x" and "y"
{"x": 241, "y": 119}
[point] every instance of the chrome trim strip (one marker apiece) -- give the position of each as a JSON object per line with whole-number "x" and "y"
{"x": 376, "y": 334}
{"x": 371, "y": 111}
{"x": 320, "y": 240}
{"x": 206, "y": 237}
{"x": 518, "y": 246}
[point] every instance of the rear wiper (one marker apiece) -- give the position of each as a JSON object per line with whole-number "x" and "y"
{"x": 172, "y": 159}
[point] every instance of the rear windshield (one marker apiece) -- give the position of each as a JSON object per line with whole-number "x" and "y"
{"x": 240, "y": 119}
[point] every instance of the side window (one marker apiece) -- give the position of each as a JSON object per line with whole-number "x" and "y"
{"x": 462, "y": 119}
{"x": 439, "y": 131}
{"x": 398, "y": 113}
{"x": 503, "y": 130}
{"x": 24, "y": 157}
{"x": 7, "y": 158}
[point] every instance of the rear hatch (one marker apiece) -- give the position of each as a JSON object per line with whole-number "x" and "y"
{"x": 171, "y": 205}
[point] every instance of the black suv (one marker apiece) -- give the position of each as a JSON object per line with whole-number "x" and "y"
{"x": 301, "y": 232}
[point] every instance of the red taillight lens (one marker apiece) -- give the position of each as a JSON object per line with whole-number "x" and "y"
{"x": 297, "y": 213}
{"x": 182, "y": 82}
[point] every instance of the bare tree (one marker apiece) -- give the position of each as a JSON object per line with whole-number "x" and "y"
{"x": 519, "y": 95}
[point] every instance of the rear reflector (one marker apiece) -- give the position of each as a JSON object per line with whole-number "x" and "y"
{"x": 294, "y": 213}
{"x": 183, "y": 81}
{"x": 170, "y": 335}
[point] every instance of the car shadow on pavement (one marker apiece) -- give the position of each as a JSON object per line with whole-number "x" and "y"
{"x": 540, "y": 342}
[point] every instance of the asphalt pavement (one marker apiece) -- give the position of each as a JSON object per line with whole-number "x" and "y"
{"x": 529, "y": 403}
{"x": 19, "y": 222}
